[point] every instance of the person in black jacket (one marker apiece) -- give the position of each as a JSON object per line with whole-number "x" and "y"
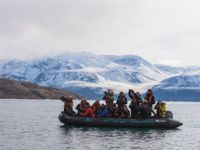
{"x": 135, "y": 104}
{"x": 82, "y": 106}
{"x": 121, "y": 102}
{"x": 145, "y": 110}
{"x": 150, "y": 99}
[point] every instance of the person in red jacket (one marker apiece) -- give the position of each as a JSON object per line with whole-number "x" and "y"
{"x": 89, "y": 112}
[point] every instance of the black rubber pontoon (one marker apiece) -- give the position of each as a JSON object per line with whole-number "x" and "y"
{"x": 166, "y": 123}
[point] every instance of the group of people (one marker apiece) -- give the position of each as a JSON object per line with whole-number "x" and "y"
{"x": 139, "y": 108}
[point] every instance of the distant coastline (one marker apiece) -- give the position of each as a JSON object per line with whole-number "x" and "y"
{"x": 11, "y": 89}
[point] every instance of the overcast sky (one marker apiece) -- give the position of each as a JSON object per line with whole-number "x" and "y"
{"x": 166, "y": 32}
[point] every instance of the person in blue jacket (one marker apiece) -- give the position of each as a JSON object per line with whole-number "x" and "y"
{"x": 103, "y": 112}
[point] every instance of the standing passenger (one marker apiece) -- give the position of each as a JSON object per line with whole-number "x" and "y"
{"x": 150, "y": 99}
{"x": 136, "y": 101}
{"x": 121, "y": 102}
{"x": 109, "y": 98}
{"x": 68, "y": 105}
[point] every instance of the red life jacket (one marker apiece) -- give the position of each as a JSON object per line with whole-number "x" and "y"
{"x": 89, "y": 112}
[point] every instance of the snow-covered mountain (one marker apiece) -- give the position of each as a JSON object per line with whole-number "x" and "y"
{"x": 89, "y": 74}
{"x": 170, "y": 69}
{"x": 185, "y": 86}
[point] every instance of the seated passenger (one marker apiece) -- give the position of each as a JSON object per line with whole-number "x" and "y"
{"x": 82, "y": 106}
{"x": 163, "y": 109}
{"x": 145, "y": 110}
{"x": 96, "y": 106}
{"x": 157, "y": 108}
{"x": 160, "y": 109}
{"x": 103, "y": 112}
{"x": 88, "y": 112}
{"x": 125, "y": 113}
{"x": 113, "y": 112}
{"x": 68, "y": 105}
{"x": 109, "y": 98}
{"x": 136, "y": 100}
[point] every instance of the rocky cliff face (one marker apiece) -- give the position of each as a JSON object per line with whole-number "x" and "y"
{"x": 10, "y": 89}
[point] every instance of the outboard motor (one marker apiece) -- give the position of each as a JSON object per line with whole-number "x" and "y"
{"x": 169, "y": 114}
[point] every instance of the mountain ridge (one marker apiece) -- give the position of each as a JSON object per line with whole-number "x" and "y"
{"x": 90, "y": 74}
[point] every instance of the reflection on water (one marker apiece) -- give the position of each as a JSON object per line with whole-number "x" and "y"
{"x": 113, "y": 138}
{"x": 35, "y": 125}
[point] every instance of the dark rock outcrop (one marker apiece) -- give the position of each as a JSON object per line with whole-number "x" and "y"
{"x": 11, "y": 89}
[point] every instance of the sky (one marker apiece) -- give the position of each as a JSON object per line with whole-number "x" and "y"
{"x": 165, "y": 32}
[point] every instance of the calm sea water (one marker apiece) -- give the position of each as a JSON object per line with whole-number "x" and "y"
{"x": 34, "y": 125}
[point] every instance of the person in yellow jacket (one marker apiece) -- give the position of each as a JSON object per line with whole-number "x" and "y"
{"x": 161, "y": 108}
